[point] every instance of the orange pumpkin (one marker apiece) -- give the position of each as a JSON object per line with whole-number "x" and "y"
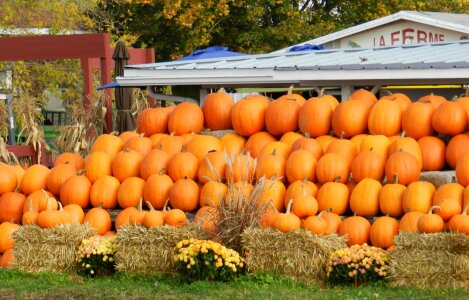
{"x": 77, "y": 216}
{"x": 248, "y": 115}
{"x": 433, "y": 153}
{"x": 434, "y": 100}
{"x": 450, "y": 118}
{"x": 153, "y": 218}
{"x": 212, "y": 193}
{"x": 376, "y": 143}
{"x": 350, "y": 118}
{"x": 364, "y": 199}
{"x": 183, "y": 164}
{"x": 304, "y": 206}
{"x": 333, "y": 196}
{"x": 73, "y": 159}
{"x": 460, "y": 222}
{"x": 140, "y": 144}
{"x": 315, "y": 117}
{"x": 382, "y": 232}
{"x": 30, "y": 216}
{"x": 301, "y": 165}
{"x": 402, "y": 99}
{"x": 271, "y": 166}
{"x": 209, "y": 218}
{"x": 99, "y": 219}
{"x": 156, "y": 190}
{"x": 256, "y": 142}
{"x": 385, "y": 118}
{"x": 281, "y": 116}
{"x": 452, "y": 190}
{"x": 7, "y": 259}
{"x": 126, "y": 164}
{"x": 332, "y": 166}
{"x": 417, "y": 120}
{"x": 153, "y": 120}
{"x": 11, "y": 207}
{"x": 130, "y": 192}
{"x": 76, "y": 190}
{"x": 448, "y": 208}
{"x": 122, "y": 218}
{"x": 240, "y": 168}
{"x": 34, "y": 179}
{"x": 368, "y": 164}
{"x": 6, "y": 238}
{"x": 232, "y": 143}
{"x": 403, "y": 165}
{"x": 217, "y": 110}
{"x": 98, "y": 164}
{"x": 418, "y": 196}
{"x": 155, "y": 138}
{"x": 107, "y": 143}
{"x": 357, "y": 229}
{"x": 462, "y": 170}
{"x": 293, "y": 96}
{"x": 57, "y": 177}
{"x": 365, "y": 96}
{"x": 406, "y": 144}
{"x": 185, "y": 118}
{"x": 297, "y": 188}
{"x": 333, "y": 221}
{"x": 409, "y": 221}
{"x": 456, "y": 148}
{"x": 170, "y": 144}
{"x": 184, "y": 195}
{"x": 212, "y": 167}
{"x": 40, "y": 200}
{"x": 175, "y": 217}
{"x": 154, "y": 162}
{"x": 343, "y": 147}
{"x": 126, "y": 135}
{"x": 308, "y": 144}
{"x": 201, "y": 145}
{"x": 8, "y": 179}
{"x": 286, "y": 222}
{"x": 273, "y": 192}
{"x": 53, "y": 218}
{"x": 430, "y": 223}
{"x": 316, "y": 224}
{"x": 137, "y": 217}
{"x": 104, "y": 192}
{"x": 390, "y": 199}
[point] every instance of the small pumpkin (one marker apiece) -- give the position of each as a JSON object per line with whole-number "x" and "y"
{"x": 316, "y": 224}
{"x": 333, "y": 196}
{"x": 409, "y": 221}
{"x": 153, "y": 218}
{"x": 53, "y": 218}
{"x": 460, "y": 222}
{"x": 6, "y": 236}
{"x": 30, "y": 216}
{"x": 286, "y": 222}
{"x": 175, "y": 217}
{"x": 429, "y": 222}
{"x": 304, "y": 206}
{"x": 77, "y": 215}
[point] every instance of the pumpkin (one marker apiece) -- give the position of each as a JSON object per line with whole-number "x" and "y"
{"x": 365, "y": 96}
{"x": 53, "y": 218}
{"x": 333, "y": 196}
{"x": 107, "y": 143}
{"x": 184, "y": 195}
{"x": 240, "y": 191}
{"x": 364, "y": 199}
{"x": 316, "y": 224}
{"x": 301, "y": 165}
{"x": 267, "y": 217}
{"x": 11, "y": 207}
{"x": 155, "y": 138}
{"x": 433, "y": 153}
{"x": 385, "y": 118}
{"x": 382, "y": 232}
{"x": 333, "y": 221}
{"x": 76, "y": 190}
{"x": 212, "y": 193}
{"x": 331, "y": 166}
{"x": 406, "y": 144}
{"x": 257, "y": 141}
{"x": 140, "y": 144}
{"x": 375, "y": 143}
{"x": 417, "y": 120}
{"x": 30, "y": 216}
{"x": 452, "y": 190}
{"x": 126, "y": 135}
{"x": 34, "y": 179}
{"x": 209, "y": 218}
{"x": 456, "y": 148}
{"x": 368, "y": 164}
{"x": 290, "y": 138}
{"x": 462, "y": 169}
{"x": 77, "y": 215}
{"x": 281, "y": 149}
{"x": 153, "y": 218}
{"x": 99, "y": 219}
{"x": 248, "y": 115}
{"x": 429, "y": 222}
{"x": 175, "y": 217}
{"x": 217, "y": 110}
{"x": 409, "y": 221}
{"x": 137, "y": 217}
{"x": 460, "y": 222}
{"x": 464, "y": 100}
{"x": 403, "y": 165}
{"x": 357, "y": 141}
{"x": 6, "y": 236}
{"x": 315, "y": 117}
{"x": 299, "y": 187}
{"x": 240, "y": 168}
{"x": 212, "y": 167}
{"x": 343, "y": 147}
{"x": 70, "y": 158}
{"x": 154, "y": 162}
{"x": 104, "y": 192}
{"x": 390, "y": 199}
{"x": 232, "y": 143}
{"x": 281, "y": 116}
{"x": 350, "y": 118}
{"x": 170, "y": 144}
{"x": 286, "y": 222}
{"x": 98, "y": 164}
{"x": 19, "y": 171}
{"x": 201, "y": 145}
{"x": 466, "y": 196}
{"x": 308, "y": 144}
{"x": 187, "y": 137}
{"x": 122, "y": 218}
{"x": 126, "y": 164}
{"x": 434, "y": 100}
{"x": 418, "y": 196}
{"x": 153, "y": 120}
{"x": 450, "y": 118}
{"x": 325, "y": 140}
{"x": 183, "y": 164}
{"x": 356, "y": 229}
{"x": 304, "y": 206}
{"x": 8, "y": 179}
{"x": 7, "y": 259}
{"x": 448, "y": 208}
{"x": 57, "y": 176}
{"x": 130, "y": 192}
{"x": 156, "y": 190}
{"x": 293, "y": 96}
{"x": 185, "y": 118}
{"x": 402, "y": 99}
{"x": 273, "y": 192}
{"x": 271, "y": 166}
{"x": 40, "y": 200}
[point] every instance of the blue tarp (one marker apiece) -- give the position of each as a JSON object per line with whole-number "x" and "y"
{"x": 108, "y": 86}
{"x": 306, "y": 47}
{"x": 211, "y": 52}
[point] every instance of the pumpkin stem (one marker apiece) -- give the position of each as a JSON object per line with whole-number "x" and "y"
{"x": 396, "y": 178}
{"x": 430, "y": 211}
{"x": 140, "y": 206}
{"x": 403, "y": 133}
{"x": 61, "y": 208}
{"x": 336, "y": 180}
{"x": 307, "y": 136}
{"x": 290, "y": 203}
{"x": 342, "y": 134}
{"x": 30, "y": 204}
{"x": 221, "y": 91}
{"x": 321, "y": 92}
{"x": 149, "y": 205}
{"x": 290, "y": 90}
{"x": 465, "y": 210}
{"x": 165, "y": 207}
{"x": 321, "y": 213}
{"x": 453, "y": 179}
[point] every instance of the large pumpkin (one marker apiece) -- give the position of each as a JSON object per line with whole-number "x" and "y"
{"x": 332, "y": 166}
{"x": 153, "y": 120}
{"x": 433, "y": 153}
{"x": 109, "y": 144}
{"x": 8, "y": 179}
{"x": 11, "y": 207}
{"x": 385, "y": 118}
{"x": 460, "y": 222}
{"x": 273, "y": 192}
{"x": 154, "y": 162}
{"x": 183, "y": 164}
{"x": 343, "y": 147}
{"x": 212, "y": 193}
{"x": 450, "y": 118}
{"x": 76, "y": 190}
{"x": 382, "y": 232}
{"x": 315, "y": 117}
{"x": 402, "y": 99}
{"x": 333, "y": 196}
{"x": 368, "y": 164}
{"x": 417, "y": 119}
{"x": 462, "y": 170}
{"x": 76, "y": 213}
{"x": 156, "y": 190}
{"x": 34, "y": 179}
{"x": 6, "y": 238}
{"x": 126, "y": 164}
{"x": 281, "y": 116}
{"x": 434, "y": 100}
{"x": 364, "y": 199}
{"x": 53, "y": 218}
{"x": 184, "y": 195}
{"x": 130, "y": 192}
{"x": 140, "y": 144}
{"x": 58, "y": 175}
{"x": 200, "y": 145}
{"x": 256, "y": 142}
{"x": 418, "y": 196}
{"x": 301, "y": 165}
{"x": 390, "y": 199}
{"x": 271, "y": 166}
{"x": 99, "y": 219}
{"x": 376, "y": 143}
{"x": 98, "y": 164}
{"x": 309, "y": 144}
{"x": 409, "y": 221}
{"x": 365, "y": 96}
{"x": 171, "y": 144}
{"x": 350, "y": 118}
{"x": 240, "y": 168}
{"x": 286, "y": 222}
{"x": 212, "y": 167}
{"x": 248, "y": 115}
{"x": 429, "y": 222}
{"x": 104, "y": 192}
{"x": 299, "y": 187}
{"x": 456, "y": 148}
{"x": 357, "y": 229}
{"x": 403, "y": 165}
{"x": 406, "y": 144}
{"x": 73, "y": 159}
{"x": 232, "y": 143}
{"x": 185, "y": 118}
{"x": 217, "y": 110}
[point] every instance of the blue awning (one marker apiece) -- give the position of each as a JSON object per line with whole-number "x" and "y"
{"x": 108, "y": 86}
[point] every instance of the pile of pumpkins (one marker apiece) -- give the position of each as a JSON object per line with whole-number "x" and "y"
{"x": 327, "y": 166}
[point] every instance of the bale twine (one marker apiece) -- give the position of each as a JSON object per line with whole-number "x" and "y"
{"x": 49, "y": 249}
{"x": 430, "y": 260}
{"x": 142, "y": 250}
{"x": 299, "y": 254}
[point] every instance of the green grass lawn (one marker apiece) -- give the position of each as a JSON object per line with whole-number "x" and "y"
{"x": 14, "y": 284}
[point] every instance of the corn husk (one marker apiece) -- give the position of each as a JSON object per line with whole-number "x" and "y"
{"x": 299, "y": 254}
{"x": 430, "y": 260}
{"x": 142, "y": 250}
{"x": 50, "y": 249}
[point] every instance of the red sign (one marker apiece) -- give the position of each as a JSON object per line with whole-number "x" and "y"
{"x": 408, "y": 36}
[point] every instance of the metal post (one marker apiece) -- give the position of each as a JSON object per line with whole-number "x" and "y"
{"x": 11, "y": 120}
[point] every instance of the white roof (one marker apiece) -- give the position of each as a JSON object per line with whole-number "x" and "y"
{"x": 449, "y": 21}
{"x": 431, "y": 63}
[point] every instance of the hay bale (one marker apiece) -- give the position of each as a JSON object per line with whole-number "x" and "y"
{"x": 142, "y": 250}
{"x": 430, "y": 260}
{"x": 49, "y": 249}
{"x": 299, "y": 254}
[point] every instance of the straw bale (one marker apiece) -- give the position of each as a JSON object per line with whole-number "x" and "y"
{"x": 430, "y": 260}
{"x": 299, "y": 254}
{"x": 49, "y": 249}
{"x": 142, "y": 250}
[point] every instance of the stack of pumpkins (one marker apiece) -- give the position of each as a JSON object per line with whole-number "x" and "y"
{"x": 328, "y": 167}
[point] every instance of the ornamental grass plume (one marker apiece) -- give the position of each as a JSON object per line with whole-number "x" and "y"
{"x": 207, "y": 260}
{"x": 357, "y": 264}
{"x": 96, "y": 256}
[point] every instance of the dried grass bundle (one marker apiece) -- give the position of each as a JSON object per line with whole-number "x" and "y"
{"x": 299, "y": 254}
{"x": 140, "y": 102}
{"x": 51, "y": 249}
{"x": 142, "y": 250}
{"x": 430, "y": 260}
